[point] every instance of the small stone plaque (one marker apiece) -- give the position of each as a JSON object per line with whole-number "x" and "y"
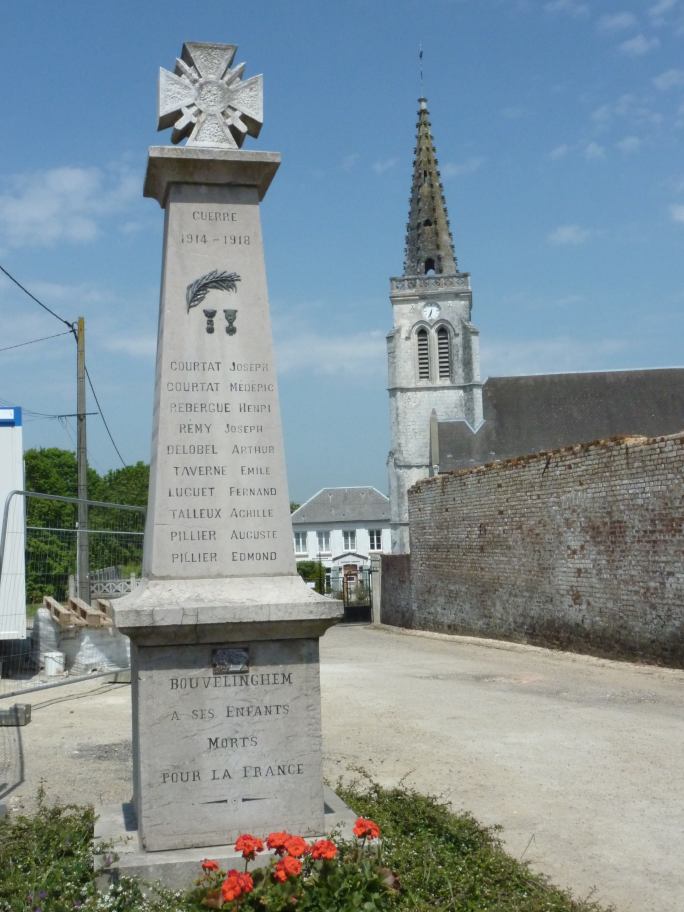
{"x": 230, "y": 660}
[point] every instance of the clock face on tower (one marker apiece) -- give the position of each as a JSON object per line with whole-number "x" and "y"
{"x": 431, "y": 311}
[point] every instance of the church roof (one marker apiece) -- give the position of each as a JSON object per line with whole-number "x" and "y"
{"x": 358, "y": 504}
{"x": 534, "y": 413}
{"x": 429, "y": 245}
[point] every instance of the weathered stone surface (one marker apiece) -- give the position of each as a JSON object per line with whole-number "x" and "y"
{"x": 178, "y": 868}
{"x": 167, "y": 166}
{"x": 207, "y": 102}
{"x": 579, "y": 548}
{"x": 232, "y": 737}
{"x": 224, "y": 633}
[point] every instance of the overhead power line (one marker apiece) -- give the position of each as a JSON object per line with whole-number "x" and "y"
{"x": 34, "y": 298}
{"x": 74, "y": 331}
{"x": 67, "y": 332}
{"x": 104, "y": 420}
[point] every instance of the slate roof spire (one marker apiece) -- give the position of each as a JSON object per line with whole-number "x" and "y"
{"x": 429, "y": 245}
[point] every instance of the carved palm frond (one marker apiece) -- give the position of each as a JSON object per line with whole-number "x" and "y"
{"x": 197, "y": 291}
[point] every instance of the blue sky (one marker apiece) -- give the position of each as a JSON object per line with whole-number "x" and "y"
{"x": 558, "y": 126}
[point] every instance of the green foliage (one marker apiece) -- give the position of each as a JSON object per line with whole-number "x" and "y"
{"x": 50, "y": 542}
{"x": 431, "y": 860}
{"x": 46, "y": 860}
{"x": 294, "y": 506}
{"x": 448, "y": 861}
{"x": 312, "y": 572}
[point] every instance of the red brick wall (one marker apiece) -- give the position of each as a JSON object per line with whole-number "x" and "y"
{"x": 581, "y": 548}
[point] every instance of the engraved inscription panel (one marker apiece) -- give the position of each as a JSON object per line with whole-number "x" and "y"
{"x": 219, "y": 504}
{"x": 225, "y": 752}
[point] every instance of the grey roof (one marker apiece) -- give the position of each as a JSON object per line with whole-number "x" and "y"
{"x": 332, "y": 505}
{"x": 528, "y": 414}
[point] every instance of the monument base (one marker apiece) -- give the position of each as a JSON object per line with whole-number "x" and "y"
{"x": 177, "y": 869}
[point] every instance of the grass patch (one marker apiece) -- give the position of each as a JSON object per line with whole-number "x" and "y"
{"x": 445, "y": 862}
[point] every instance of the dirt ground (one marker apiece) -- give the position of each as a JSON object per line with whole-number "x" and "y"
{"x": 578, "y": 759}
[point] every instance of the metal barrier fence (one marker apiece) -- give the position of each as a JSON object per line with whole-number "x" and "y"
{"x": 40, "y": 556}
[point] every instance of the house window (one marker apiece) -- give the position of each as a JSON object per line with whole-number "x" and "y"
{"x": 323, "y": 542}
{"x": 443, "y": 353}
{"x": 349, "y": 539}
{"x": 300, "y": 542}
{"x": 423, "y": 355}
{"x": 375, "y": 539}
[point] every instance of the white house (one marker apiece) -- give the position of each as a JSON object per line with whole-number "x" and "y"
{"x": 342, "y": 528}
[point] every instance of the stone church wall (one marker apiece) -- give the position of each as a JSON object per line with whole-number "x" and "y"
{"x": 580, "y": 548}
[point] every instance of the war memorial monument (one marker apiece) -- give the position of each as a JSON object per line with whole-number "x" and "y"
{"x": 224, "y": 633}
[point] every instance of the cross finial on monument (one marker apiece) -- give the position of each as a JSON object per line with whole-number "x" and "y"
{"x": 207, "y": 102}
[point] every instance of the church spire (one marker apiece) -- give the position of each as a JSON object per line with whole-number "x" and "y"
{"x": 429, "y": 245}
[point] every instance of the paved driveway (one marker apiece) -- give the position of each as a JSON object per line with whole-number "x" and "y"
{"x": 580, "y": 760}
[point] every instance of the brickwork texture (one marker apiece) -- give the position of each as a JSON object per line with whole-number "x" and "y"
{"x": 580, "y": 548}
{"x": 395, "y": 598}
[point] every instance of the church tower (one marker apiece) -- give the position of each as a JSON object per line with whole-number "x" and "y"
{"x": 433, "y": 349}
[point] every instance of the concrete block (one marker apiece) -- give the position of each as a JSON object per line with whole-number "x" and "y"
{"x": 12, "y": 716}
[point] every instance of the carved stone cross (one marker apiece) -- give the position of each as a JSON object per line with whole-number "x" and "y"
{"x": 207, "y": 102}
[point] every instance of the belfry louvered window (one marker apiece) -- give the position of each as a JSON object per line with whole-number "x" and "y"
{"x": 443, "y": 353}
{"x": 423, "y": 355}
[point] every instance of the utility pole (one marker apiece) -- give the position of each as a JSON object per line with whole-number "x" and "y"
{"x": 82, "y": 563}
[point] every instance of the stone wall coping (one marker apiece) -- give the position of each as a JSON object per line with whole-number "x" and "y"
{"x": 546, "y": 455}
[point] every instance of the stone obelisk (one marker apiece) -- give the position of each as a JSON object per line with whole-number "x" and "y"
{"x": 224, "y": 634}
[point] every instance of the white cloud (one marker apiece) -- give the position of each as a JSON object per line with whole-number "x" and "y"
{"x": 570, "y": 7}
{"x": 385, "y": 164}
{"x": 42, "y": 208}
{"x": 670, "y": 79}
{"x": 661, "y": 7}
{"x": 593, "y": 151}
{"x": 559, "y": 152}
{"x": 350, "y": 161}
{"x": 616, "y": 22}
{"x": 514, "y": 112}
{"x": 137, "y": 346}
{"x": 677, "y": 213}
{"x": 456, "y": 169}
{"x": 347, "y": 354}
{"x": 630, "y": 107}
{"x": 639, "y": 45}
{"x": 511, "y": 357}
{"x": 629, "y": 144}
{"x": 569, "y": 236}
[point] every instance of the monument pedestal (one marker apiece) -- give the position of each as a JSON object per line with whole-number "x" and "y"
{"x": 226, "y": 708}
{"x": 116, "y": 826}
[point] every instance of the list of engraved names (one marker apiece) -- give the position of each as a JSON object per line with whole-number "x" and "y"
{"x": 220, "y": 413}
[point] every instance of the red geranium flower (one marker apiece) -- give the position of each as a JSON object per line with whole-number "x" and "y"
{"x": 209, "y": 865}
{"x": 231, "y": 888}
{"x": 249, "y": 845}
{"x": 324, "y": 849}
{"x": 276, "y": 841}
{"x": 246, "y": 882}
{"x": 366, "y": 829}
{"x": 287, "y": 867}
{"x": 296, "y": 846}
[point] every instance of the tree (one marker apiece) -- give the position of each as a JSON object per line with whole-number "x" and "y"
{"x": 294, "y": 506}
{"x": 312, "y": 572}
